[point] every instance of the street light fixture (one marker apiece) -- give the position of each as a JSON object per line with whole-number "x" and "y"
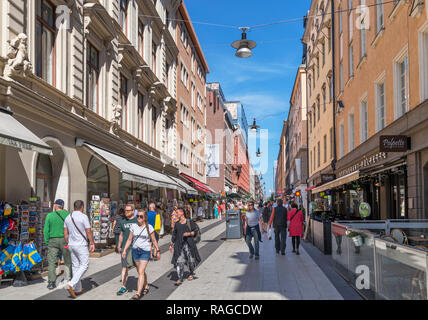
{"x": 258, "y": 153}
{"x": 243, "y": 47}
{"x": 254, "y": 127}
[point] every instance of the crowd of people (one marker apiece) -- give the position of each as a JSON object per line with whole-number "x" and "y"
{"x": 277, "y": 216}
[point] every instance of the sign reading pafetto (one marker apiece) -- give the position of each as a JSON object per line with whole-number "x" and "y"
{"x": 393, "y": 144}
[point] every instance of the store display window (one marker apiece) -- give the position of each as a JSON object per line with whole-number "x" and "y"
{"x": 44, "y": 178}
{"x": 98, "y": 178}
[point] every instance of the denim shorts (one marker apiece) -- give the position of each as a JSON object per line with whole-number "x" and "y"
{"x": 140, "y": 254}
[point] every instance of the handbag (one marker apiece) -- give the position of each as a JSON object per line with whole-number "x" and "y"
{"x": 197, "y": 236}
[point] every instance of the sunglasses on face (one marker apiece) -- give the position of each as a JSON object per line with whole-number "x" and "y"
{"x": 139, "y": 216}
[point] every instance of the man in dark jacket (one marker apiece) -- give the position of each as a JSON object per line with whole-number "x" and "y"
{"x": 279, "y": 221}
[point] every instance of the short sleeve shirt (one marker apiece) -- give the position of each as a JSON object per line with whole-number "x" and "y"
{"x": 125, "y": 225}
{"x": 141, "y": 239}
{"x": 253, "y": 217}
{"x": 75, "y": 238}
{"x": 118, "y": 219}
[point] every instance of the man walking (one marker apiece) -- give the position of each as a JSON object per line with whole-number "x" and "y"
{"x": 279, "y": 220}
{"x": 151, "y": 215}
{"x": 53, "y": 232}
{"x": 78, "y": 234}
{"x": 125, "y": 225}
{"x": 252, "y": 230}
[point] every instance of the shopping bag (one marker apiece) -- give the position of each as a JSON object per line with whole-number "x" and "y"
{"x": 158, "y": 222}
{"x": 269, "y": 233}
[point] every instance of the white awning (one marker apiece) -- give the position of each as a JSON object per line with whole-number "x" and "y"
{"x": 14, "y": 134}
{"x": 338, "y": 182}
{"x": 132, "y": 171}
{"x": 187, "y": 188}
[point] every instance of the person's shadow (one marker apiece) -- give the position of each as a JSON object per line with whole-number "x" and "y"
{"x": 132, "y": 284}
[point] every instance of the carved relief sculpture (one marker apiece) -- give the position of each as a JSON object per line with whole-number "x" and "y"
{"x": 116, "y": 119}
{"x": 18, "y": 63}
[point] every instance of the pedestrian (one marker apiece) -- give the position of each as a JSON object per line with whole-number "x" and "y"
{"x": 184, "y": 247}
{"x": 78, "y": 235}
{"x": 161, "y": 213}
{"x": 200, "y": 213}
{"x": 53, "y": 233}
{"x": 252, "y": 230}
{"x": 141, "y": 237}
{"x": 216, "y": 210}
{"x": 279, "y": 221}
{"x": 151, "y": 215}
{"x": 295, "y": 226}
{"x": 118, "y": 217}
{"x": 266, "y": 216}
{"x": 174, "y": 218}
{"x": 167, "y": 220}
{"x": 125, "y": 226}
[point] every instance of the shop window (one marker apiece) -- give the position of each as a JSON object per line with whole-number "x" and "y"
{"x": 98, "y": 181}
{"x": 125, "y": 191}
{"x": 92, "y": 74}
{"x": 45, "y": 41}
{"x": 44, "y": 178}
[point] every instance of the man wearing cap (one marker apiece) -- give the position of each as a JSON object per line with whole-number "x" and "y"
{"x": 54, "y": 238}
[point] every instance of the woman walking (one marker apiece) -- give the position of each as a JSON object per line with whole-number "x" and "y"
{"x": 185, "y": 250}
{"x": 141, "y": 237}
{"x": 295, "y": 226}
{"x": 266, "y": 216}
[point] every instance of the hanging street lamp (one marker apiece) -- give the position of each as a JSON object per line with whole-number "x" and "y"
{"x": 258, "y": 153}
{"x": 243, "y": 47}
{"x": 254, "y": 126}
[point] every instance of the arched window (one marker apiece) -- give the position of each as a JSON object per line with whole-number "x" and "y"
{"x": 98, "y": 178}
{"x": 44, "y": 178}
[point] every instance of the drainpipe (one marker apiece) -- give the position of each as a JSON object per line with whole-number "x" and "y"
{"x": 333, "y": 79}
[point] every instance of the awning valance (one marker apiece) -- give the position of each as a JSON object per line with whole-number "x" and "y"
{"x": 132, "y": 171}
{"x": 338, "y": 182}
{"x": 14, "y": 134}
{"x": 198, "y": 185}
{"x": 188, "y": 189}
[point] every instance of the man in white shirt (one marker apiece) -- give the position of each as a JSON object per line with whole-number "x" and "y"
{"x": 77, "y": 231}
{"x": 252, "y": 230}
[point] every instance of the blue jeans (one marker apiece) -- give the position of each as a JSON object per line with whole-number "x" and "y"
{"x": 252, "y": 232}
{"x": 280, "y": 238}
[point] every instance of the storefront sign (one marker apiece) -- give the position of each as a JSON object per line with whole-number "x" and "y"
{"x": 393, "y": 143}
{"x": 366, "y": 162}
{"x": 327, "y": 178}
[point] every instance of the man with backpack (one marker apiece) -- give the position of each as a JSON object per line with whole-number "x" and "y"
{"x": 152, "y": 216}
{"x": 53, "y": 232}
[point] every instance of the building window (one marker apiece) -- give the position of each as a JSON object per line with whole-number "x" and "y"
{"x": 311, "y": 162}
{"x": 319, "y": 154}
{"x": 184, "y": 115}
{"x": 330, "y": 84}
{"x": 325, "y": 148}
{"x": 341, "y": 76}
{"x": 184, "y": 75}
{"x": 351, "y": 25}
{"x": 380, "y": 106}
{"x": 351, "y": 133}
{"x": 310, "y": 123}
{"x": 330, "y": 35}
{"x": 141, "y": 38}
{"x": 324, "y": 98}
{"x": 318, "y": 108}
{"x": 331, "y": 143}
{"x": 342, "y": 141}
{"x": 363, "y": 42}
{"x": 315, "y": 116}
{"x": 323, "y": 54}
{"x": 167, "y": 67}
{"x": 192, "y": 93}
{"x": 123, "y": 97}
{"x": 351, "y": 61}
{"x": 123, "y": 16}
{"x": 315, "y": 158}
{"x": 423, "y": 63}
{"x": 140, "y": 128}
{"x": 364, "y": 126}
{"x": 401, "y": 71}
{"x": 379, "y": 15}
{"x": 318, "y": 67}
{"x": 192, "y": 130}
{"x": 154, "y": 122}
{"x": 183, "y": 35}
{"x": 92, "y": 73}
{"x": 154, "y": 60}
{"x": 45, "y": 41}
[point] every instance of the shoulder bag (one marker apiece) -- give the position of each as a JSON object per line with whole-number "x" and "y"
{"x": 197, "y": 236}
{"x": 81, "y": 233}
{"x": 60, "y": 216}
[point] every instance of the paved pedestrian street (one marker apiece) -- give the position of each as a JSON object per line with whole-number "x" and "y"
{"x": 226, "y": 272}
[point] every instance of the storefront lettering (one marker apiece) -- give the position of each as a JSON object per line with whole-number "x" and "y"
{"x": 367, "y": 161}
{"x": 16, "y": 144}
{"x": 393, "y": 143}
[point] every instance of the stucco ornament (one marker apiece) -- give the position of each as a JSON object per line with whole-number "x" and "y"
{"x": 18, "y": 63}
{"x": 117, "y": 117}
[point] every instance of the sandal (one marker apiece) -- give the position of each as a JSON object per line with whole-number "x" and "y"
{"x": 136, "y": 296}
{"x": 146, "y": 291}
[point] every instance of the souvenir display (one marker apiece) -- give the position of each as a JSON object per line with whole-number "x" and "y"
{"x": 94, "y": 211}
{"x": 100, "y": 214}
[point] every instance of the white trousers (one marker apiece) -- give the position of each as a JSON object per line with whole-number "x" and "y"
{"x": 80, "y": 263}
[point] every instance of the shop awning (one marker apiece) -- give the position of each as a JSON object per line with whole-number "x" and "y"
{"x": 187, "y": 188}
{"x": 338, "y": 182}
{"x": 132, "y": 171}
{"x": 198, "y": 185}
{"x": 14, "y": 134}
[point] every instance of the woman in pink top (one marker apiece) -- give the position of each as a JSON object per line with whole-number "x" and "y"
{"x": 295, "y": 226}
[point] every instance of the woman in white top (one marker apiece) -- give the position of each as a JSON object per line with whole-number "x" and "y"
{"x": 141, "y": 240}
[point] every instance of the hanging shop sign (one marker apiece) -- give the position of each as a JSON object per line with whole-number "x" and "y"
{"x": 393, "y": 143}
{"x": 365, "y": 209}
{"x": 327, "y": 178}
{"x": 365, "y": 162}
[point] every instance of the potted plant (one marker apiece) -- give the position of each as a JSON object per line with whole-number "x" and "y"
{"x": 356, "y": 238}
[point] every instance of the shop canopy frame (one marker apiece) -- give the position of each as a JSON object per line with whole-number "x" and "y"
{"x": 14, "y": 134}
{"x": 198, "y": 185}
{"x": 188, "y": 189}
{"x": 338, "y": 182}
{"x": 131, "y": 171}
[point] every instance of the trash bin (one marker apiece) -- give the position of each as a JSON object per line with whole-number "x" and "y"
{"x": 233, "y": 224}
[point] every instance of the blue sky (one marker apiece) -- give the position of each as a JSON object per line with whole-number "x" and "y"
{"x": 263, "y": 82}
